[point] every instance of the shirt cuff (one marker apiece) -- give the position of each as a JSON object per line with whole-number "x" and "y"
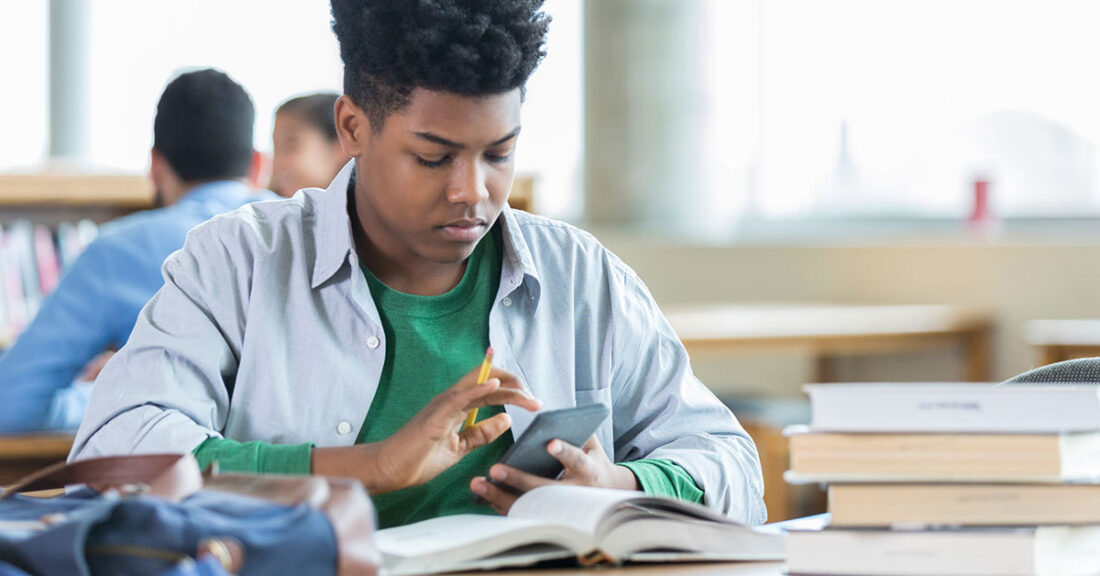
{"x": 659, "y": 477}
{"x": 255, "y": 457}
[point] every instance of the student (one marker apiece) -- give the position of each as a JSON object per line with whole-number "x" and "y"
{"x": 200, "y": 161}
{"x": 307, "y": 152}
{"x": 340, "y": 332}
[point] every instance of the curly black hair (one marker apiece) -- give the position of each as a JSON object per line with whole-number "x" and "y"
{"x": 465, "y": 47}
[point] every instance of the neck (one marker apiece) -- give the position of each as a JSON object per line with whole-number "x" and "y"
{"x": 398, "y": 268}
{"x": 172, "y": 192}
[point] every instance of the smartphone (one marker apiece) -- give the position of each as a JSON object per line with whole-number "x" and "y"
{"x": 572, "y": 425}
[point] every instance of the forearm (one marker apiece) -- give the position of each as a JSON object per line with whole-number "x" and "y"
{"x": 725, "y": 467}
{"x": 361, "y": 462}
{"x": 254, "y": 457}
{"x": 658, "y": 477}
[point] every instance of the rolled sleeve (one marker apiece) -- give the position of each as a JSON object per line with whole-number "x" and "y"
{"x": 664, "y": 412}
{"x": 168, "y": 388}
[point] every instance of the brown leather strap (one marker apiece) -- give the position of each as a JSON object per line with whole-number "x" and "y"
{"x": 171, "y": 476}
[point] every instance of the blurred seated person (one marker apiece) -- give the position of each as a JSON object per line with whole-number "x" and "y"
{"x": 201, "y": 164}
{"x": 307, "y": 151}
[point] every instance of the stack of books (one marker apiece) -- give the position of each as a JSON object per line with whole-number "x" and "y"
{"x": 956, "y": 479}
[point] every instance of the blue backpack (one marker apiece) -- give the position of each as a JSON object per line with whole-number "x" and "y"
{"x": 157, "y": 514}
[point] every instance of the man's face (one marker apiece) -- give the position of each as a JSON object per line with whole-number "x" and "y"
{"x": 433, "y": 181}
{"x": 303, "y": 157}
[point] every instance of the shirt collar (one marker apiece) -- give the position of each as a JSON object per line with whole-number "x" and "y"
{"x": 333, "y": 233}
{"x": 334, "y": 239}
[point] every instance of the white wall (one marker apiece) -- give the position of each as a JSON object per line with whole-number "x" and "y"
{"x": 1019, "y": 282}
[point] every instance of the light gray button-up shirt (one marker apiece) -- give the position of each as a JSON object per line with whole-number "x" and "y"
{"x": 265, "y": 330}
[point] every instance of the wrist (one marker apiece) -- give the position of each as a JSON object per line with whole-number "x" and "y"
{"x": 626, "y": 479}
{"x": 363, "y": 462}
{"x": 379, "y": 471}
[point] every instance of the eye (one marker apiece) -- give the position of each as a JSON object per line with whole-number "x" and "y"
{"x": 431, "y": 163}
{"x": 498, "y": 158}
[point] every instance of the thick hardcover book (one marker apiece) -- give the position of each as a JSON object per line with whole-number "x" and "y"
{"x": 1032, "y": 551}
{"x": 595, "y": 526}
{"x": 963, "y": 504}
{"x": 913, "y": 457}
{"x": 1047, "y": 408}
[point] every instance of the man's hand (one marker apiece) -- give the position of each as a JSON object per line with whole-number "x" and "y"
{"x": 431, "y": 442}
{"x": 92, "y": 368}
{"x": 587, "y": 466}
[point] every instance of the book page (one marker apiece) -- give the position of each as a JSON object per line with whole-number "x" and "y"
{"x": 443, "y": 533}
{"x": 473, "y": 541}
{"x": 582, "y": 508}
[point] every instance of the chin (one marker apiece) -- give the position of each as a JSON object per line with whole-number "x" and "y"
{"x": 453, "y": 253}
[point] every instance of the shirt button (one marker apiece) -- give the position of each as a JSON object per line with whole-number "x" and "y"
{"x": 344, "y": 428}
{"x": 507, "y": 301}
{"x": 372, "y": 342}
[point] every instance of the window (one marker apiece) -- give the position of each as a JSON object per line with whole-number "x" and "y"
{"x": 869, "y": 108}
{"x": 275, "y": 49}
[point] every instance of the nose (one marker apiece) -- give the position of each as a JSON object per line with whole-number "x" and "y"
{"x": 467, "y": 184}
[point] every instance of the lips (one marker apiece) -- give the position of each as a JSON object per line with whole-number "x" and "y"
{"x": 464, "y": 230}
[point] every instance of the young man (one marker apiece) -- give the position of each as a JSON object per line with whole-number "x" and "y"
{"x": 201, "y": 158}
{"x": 340, "y": 332}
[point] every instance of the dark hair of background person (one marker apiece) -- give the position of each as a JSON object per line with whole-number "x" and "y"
{"x": 464, "y": 47}
{"x": 316, "y": 110}
{"x": 203, "y": 126}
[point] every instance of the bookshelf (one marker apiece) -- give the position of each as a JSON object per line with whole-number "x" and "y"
{"x": 126, "y": 192}
{"x": 53, "y": 197}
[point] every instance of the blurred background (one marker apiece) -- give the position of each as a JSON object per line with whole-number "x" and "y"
{"x": 849, "y": 190}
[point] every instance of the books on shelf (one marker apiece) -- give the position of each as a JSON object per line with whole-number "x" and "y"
{"x": 877, "y": 407}
{"x": 595, "y": 526}
{"x": 32, "y": 259}
{"x": 1025, "y": 551}
{"x": 944, "y": 457}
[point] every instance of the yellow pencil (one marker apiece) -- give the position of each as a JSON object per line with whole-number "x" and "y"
{"x": 486, "y": 365}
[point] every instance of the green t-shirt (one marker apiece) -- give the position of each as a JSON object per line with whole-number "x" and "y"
{"x": 431, "y": 342}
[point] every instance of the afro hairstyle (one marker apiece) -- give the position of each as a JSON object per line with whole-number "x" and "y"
{"x": 464, "y": 47}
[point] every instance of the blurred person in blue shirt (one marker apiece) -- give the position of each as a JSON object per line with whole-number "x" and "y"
{"x": 201, "y": 163}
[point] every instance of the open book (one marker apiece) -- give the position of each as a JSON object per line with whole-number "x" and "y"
{"x": 591, "y": 524}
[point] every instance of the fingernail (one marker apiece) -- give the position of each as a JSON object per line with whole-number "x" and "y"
{"x": 498, "y": 473}
{"x": 555, "y": 447}
{"x": 479, "y": 487}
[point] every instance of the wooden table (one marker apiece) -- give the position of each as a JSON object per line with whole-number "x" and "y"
{"x": 1058, "y": 340}
{"x": 827, "y": 332}
{"x": 21, "y": 455}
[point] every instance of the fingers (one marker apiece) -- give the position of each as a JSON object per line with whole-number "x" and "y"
{"x": 500, "y": 499}
{"x": 491, "y": 393}
{"x": 518, "y": 480}
{"x": 486, "y": 431}
{"x": 507, "y": 379}
{"x": 574, "y": 459}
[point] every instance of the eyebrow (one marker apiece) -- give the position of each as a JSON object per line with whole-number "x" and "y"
{"x": 451, "y": 143}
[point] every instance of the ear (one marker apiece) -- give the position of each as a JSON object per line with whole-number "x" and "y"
{"x": 259, "y": 170}
{"x": 156, "y": 169}
{"x": 352, "y": 126}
